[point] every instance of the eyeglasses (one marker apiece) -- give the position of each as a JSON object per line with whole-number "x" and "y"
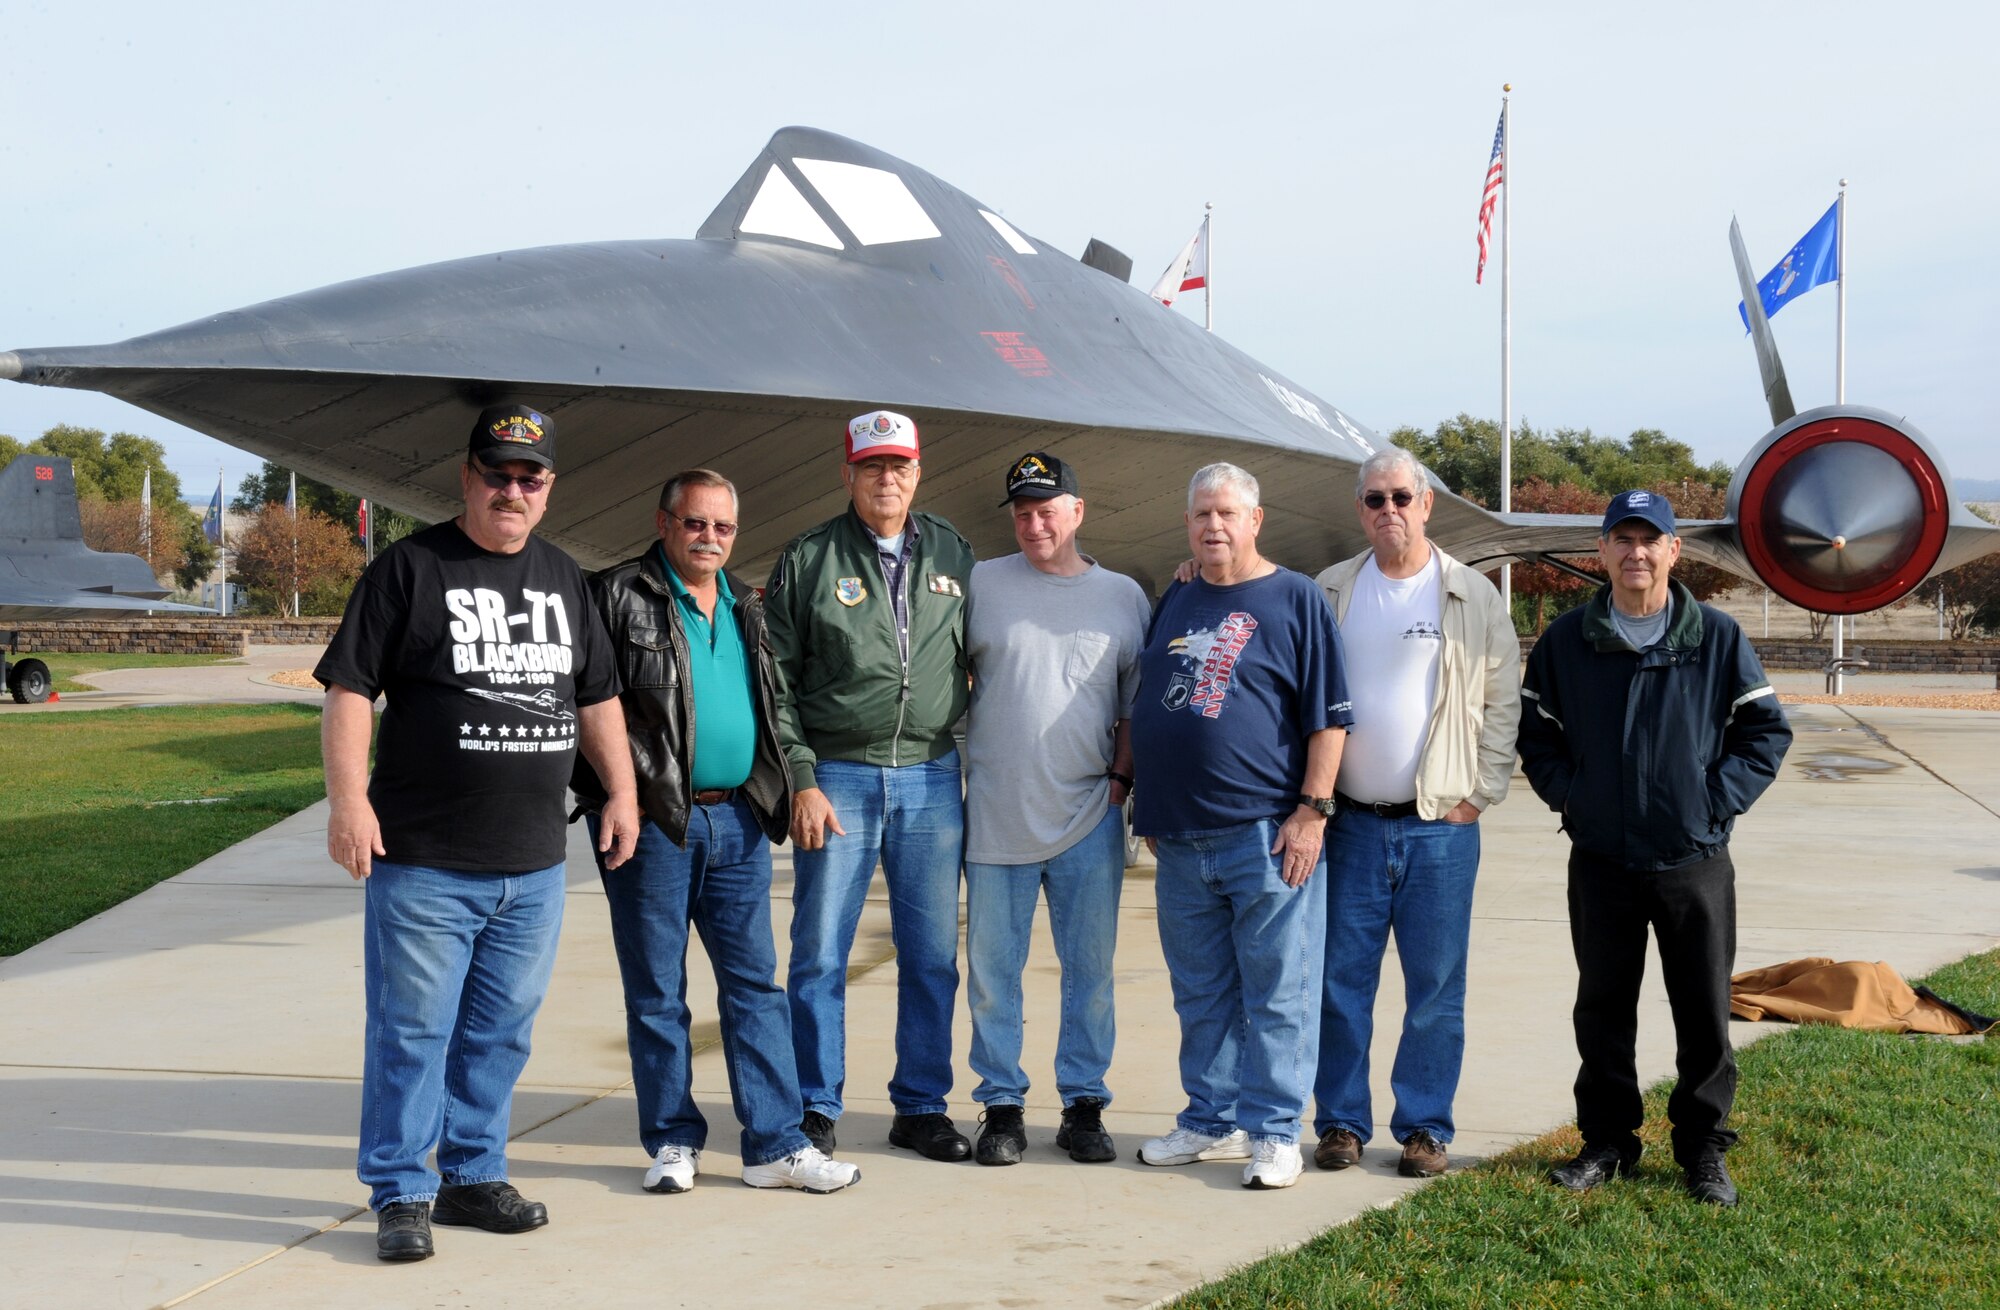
{"x": 1377, "y": 499}
{"x": 502, "y": 481}
{"x": 695, "y": 527}
{"x": 881, "y": 468}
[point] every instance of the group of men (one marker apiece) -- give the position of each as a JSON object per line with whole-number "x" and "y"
{"x": 1316, "y": 760}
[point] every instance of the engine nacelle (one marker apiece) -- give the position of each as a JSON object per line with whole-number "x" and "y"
{"x": 1842, "y": 510}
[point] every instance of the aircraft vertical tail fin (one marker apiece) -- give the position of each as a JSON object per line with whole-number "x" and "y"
{"x": 38, "y": 499}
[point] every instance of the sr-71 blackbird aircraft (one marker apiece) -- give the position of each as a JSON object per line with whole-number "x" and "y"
{"x": 833, "y": 279}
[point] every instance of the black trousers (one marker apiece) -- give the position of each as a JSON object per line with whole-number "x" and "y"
{"x": 1692, "y": 912}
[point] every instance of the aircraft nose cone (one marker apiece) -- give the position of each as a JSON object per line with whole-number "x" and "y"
{"x": 1847, "y": 514}
{"x": 10, "y": 365}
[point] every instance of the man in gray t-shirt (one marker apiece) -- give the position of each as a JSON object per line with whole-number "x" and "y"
{"x": 1054, "y": 642}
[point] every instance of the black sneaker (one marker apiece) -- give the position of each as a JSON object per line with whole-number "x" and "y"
{"x": 1003, "y": 1137}
{"x": 1593, "y": 1167}
{"x": 403, "y": 1231}
{"x": 819, "y": 1131}
{"x": 929, "y": 1135}
{"x": 1708, "y": 1181}
{"x": 494, "y": 1206}
{"x": 1082, "y": 1133}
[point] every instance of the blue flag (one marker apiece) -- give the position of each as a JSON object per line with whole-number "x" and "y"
{"x": 1815, "y": 259}
{"x": 211, "y": 522}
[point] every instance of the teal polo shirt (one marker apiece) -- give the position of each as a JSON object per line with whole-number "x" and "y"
{"x": 725, "y": 710}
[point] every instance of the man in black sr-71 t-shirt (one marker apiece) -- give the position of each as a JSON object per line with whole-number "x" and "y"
{"x": 496, "y": 670}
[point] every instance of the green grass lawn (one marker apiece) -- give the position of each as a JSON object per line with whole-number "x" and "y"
{"x": 64, "y": 668}
{"x": 95, "y": 806}
{"x": 1868, "y": 1168}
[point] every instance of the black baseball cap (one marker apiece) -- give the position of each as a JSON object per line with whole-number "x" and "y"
{"x": 1039, "y": 476}
{"x": 506, "y": 432}
{"x": 1649, "y": 506}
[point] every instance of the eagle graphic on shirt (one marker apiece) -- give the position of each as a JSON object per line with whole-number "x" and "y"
{"x": 1211, "y": 654}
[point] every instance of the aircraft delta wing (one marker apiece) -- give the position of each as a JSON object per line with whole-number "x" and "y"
{"x": 833, "y": 279}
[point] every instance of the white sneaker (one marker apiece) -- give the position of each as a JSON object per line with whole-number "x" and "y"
{"x": 1185, "y": 1146}
{"x": 807, "y": 1170}
{"x": 1276, "y": 1164}
{"x": 673, "y": 1169}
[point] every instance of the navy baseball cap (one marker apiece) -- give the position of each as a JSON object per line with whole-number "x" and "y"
{"x": 1650, "y": 506}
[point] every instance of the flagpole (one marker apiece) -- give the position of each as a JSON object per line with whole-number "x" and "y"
{"x": 146, "y": 517}
{"x": 222, "y": 540}
{"x": 292, "y": 500}
{"x": 1839, "y": 372}
{"x": 1840, "y": 287}
{"x": 1506, "y": 341}
{"x": 1208, "y": 282}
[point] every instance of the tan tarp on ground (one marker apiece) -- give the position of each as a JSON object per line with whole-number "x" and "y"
{"x": 1850, "y": 993}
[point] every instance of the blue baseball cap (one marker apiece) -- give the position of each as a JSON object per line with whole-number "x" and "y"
{"x": 1650, "y": 506}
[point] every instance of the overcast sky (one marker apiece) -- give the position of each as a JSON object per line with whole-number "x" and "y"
{"x": 164, "y": 162}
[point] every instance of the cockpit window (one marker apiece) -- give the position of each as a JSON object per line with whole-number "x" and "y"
{"x": 780, "y": 211}
{"x": 1007, "y": 233}
{"x": 875, "y": 204}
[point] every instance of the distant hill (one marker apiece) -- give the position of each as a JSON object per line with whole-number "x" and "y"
{"x": 1978, "y": 488}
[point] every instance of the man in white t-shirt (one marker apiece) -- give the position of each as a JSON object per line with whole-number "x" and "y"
{"x": 1434, "y": 668}
{"x": 1054, "y": 643}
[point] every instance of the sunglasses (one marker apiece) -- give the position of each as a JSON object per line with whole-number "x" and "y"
{"x": 1377, "y": 499}
{"x": 502, "y": 481}
{"x": 695, "y": 527}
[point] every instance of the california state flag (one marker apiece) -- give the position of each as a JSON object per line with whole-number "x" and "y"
{"x": 1188, "y": 272}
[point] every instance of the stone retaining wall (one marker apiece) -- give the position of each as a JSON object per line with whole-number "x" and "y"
{"x": 196, "y": 636}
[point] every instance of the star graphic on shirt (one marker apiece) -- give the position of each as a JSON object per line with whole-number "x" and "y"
{"x": 464, "y": 728}
{"x": 503, "y": 730}
{"x": 538, "y": 730}
{"x": 484, "y": 729}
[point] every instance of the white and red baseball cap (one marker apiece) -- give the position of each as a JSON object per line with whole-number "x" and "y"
{"x": 881, "y": 432}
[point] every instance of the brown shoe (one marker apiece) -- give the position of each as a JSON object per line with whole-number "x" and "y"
{"x": 1337, "y": 1149}
{"x": 1423, "y": 1156}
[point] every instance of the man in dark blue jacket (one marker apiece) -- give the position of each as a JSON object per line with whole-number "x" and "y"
{"x": 1647, "y": 722}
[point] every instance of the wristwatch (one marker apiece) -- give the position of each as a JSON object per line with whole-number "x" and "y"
{"x": 1326, "y": 805}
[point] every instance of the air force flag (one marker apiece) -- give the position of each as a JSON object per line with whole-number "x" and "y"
{"x": 1815, "y": 259}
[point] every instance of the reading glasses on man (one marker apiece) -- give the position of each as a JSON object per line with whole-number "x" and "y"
{"x": 1377, "y": 499}
{"x": 502, "y": 481}
{"x": 695, "y": 527}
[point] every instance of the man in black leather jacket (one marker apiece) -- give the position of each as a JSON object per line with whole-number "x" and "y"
{"x": 714, "y": 792}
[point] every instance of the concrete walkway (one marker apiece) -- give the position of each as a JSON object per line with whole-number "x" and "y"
{"x": 247, "y": 679}
{"x": 178, "y": 1079}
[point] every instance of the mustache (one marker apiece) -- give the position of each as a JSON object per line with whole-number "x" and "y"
{"x": 703, "y": 548}
{"x": 514, "y": 503}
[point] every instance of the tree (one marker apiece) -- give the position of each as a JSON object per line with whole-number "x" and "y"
{"x": 118, "y": 525}
{"x": 198, "y": 554}
{"x": 317, "y": 559}
{"x": 1971, "y": 593}
{"x": 1465, "y": 453}
{"x": 270, "y": 484}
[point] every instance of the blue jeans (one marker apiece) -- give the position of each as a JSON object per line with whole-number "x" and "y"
{"x": 1083, "y": 885}
{"x": 1413, "y": 877}
{"x": 721, "y": 882}
{"x": 455, "y": 966}
{"x": 1244, "y": 954}
{"x": 912, "y": 820}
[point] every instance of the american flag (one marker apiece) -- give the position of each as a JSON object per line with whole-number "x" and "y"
{"x": 1496, "y": 177}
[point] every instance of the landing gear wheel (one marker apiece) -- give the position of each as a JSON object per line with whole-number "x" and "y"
{"x": 30, "y": 682}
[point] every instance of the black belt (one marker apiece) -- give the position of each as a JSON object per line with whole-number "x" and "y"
{"x": 1380, "y": 809}
{"x": 715, "y": 796}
